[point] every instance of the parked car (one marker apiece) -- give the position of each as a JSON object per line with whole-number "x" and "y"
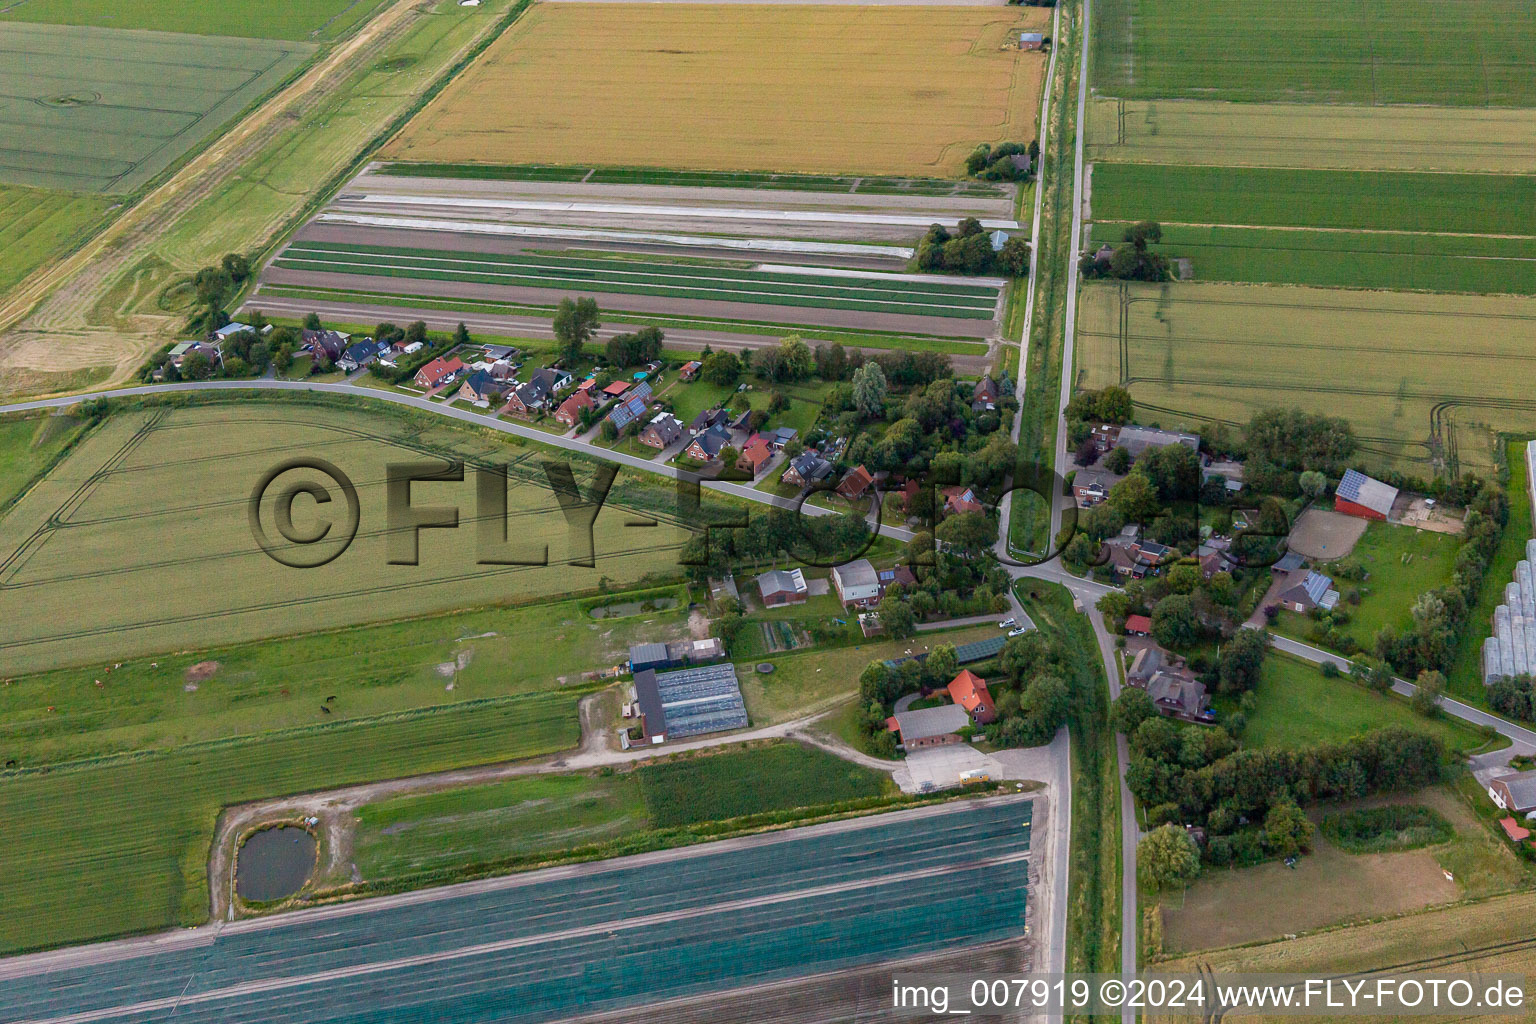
{"x": 1018, "y": 632}
{"x": 1006, "y": 624}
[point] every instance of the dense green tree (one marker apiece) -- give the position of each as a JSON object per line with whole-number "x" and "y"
{"x": 1167, "y": 857}
{"x": 1130, "y": 709}
{"x": 869, "y": 390}
{"x": 576, "y": 322}
{"x": 1175, "y": 623}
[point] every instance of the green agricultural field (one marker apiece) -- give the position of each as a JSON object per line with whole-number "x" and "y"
{"x": 1417, "y": 375}
{"x": 730, "y": 785}
{"x": 517, "y": 817}
{"x": 1476, "y": 53}
{"x": 258, "y": 19}
{"x": 104, "y": 110}
{"x": 157, "y": 501}
{"x": 1349, "y": 259}
{"x": 700, "y": 179}
{"x": 693, "y": 280}
{"x": 845, "y": 337}
{"x": 28, "y": 446}
{"x": 1494, "y": 204}
{"x": 316, "y": 678}
{"x": 1417, "y": 138}
{"x": 1296, "y": 707}
{"x": 1403, "y": 562}
{"x": 37, "y": 225}
{"x": 121, "y": 845}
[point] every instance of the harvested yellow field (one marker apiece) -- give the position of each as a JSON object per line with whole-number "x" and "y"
{"x": 1312, "y": 135}
{"x": 877, "y": 90}
{"x": 1420, "y": 376}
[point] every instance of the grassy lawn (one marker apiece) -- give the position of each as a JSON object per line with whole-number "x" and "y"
{"x": 28, "y": 446}
{"x": 814, "y": 678}
{"x": 692, "y": 398}
{"x": 1296, "y": 707}
{"x": 316, "y": 678}
{"x": 516, "y": 817}
{"x": 1403, "y": 563}
{"x": 738, "y": 783}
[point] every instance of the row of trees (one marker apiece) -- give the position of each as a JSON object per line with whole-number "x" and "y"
{"x": 996, "y": 163}
{"x": 213, "y": 287}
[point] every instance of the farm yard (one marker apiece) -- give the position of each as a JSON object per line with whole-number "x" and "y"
{"x": 115, "y": 520}
{"x": 916, "y": 89}
{"x": 1416, "y": 374}
{"x": 1478, "y": 53}
{"x": 1208, "y": 132}
{"x": 102, "y": 110}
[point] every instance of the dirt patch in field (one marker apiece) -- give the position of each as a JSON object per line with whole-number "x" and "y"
{"x": 1324, "y": 535}
{"x": 201, "y": 672}
{"x": 1231, "y": 906}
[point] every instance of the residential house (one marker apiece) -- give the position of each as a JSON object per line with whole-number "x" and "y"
{"x": 715, "y": 417}
{"x": 806, "y": 469}
{"x": 1148, "y": 662}
{"x": 781, "y": 437}
{"x": 854, "y": 483}
{"x": 1135, "y": 558}
{"x": 690, "y": 370}
{"x": 706, "y": 446}
{"x": 970, "y": 692}
{"x": 498, "y": 351}
{"x": 210, "y": 352}
{"x": 1090, "y": 486}
{"x": 961, "y": 499}
{"x": 358, "y": 355}
{"x": 857, "y": 584}
{"x": 743, "y": 423}
{"x": 571, "y": 409}
{"x": 1313, "y": 590}
{"x": 1514, "y": 792}
{"x": 1178, "y": 694}
{"x": 502, "y": 369}
{"x": 438, "y": 372}
{"x": 1363, "y": 496}
{"x": 631, "y": 408}
{"x": 330, "y": 344}
{"x": 1213, "y": 558}
{"x": 779, "y": 587}
{"x": 537, "y": 393}
{"x": 895, "y": 574}
{"x": 928, "y": 727}
{"x": 661, "y": 431}
{"x": 984, "y": 395}
{"x": 755, "y": 454}
{"x": 1136, "y": 440}
{"x": 481, "y": 388}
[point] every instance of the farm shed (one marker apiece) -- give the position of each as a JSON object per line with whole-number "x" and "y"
{"x": 1514, "y": 792}
{"x": 782, "y": 586}
{"x": 644, "y": 656}
{"x": 929, "y": 727}
{"x": 1363, "y": 496}
{"x": 690, "y": 702}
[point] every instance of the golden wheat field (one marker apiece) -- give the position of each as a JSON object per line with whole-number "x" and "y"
{"x": 1418, "y": 375}
{"x": 1312, "y": 135}
{"x": 877, "y": 90}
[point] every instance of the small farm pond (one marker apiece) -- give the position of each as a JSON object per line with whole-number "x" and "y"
{"x": 614, "y": 611}
{"x": 274, "y": 864}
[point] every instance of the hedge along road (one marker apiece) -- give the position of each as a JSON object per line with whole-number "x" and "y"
{"x": 465, "y": 416}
